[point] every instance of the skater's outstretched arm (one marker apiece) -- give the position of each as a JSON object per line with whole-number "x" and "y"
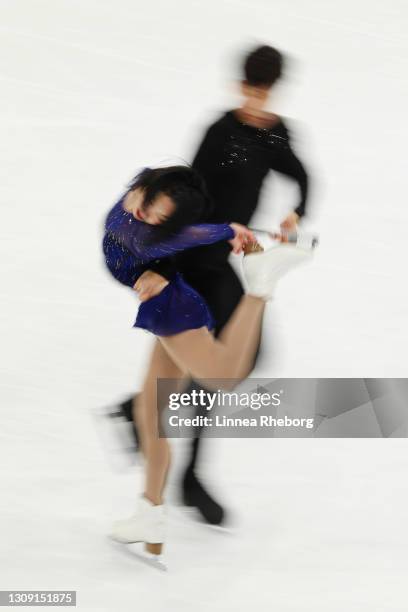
{"x": 140, "y": 240}
{"x": 146, "y": 249}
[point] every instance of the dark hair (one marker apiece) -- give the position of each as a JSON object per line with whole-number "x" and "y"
{"x": 183, "y": 185}
{"x": 263, "y": 66}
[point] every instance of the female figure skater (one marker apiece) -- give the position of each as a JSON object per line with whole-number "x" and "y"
{"x": 155, "y": 219}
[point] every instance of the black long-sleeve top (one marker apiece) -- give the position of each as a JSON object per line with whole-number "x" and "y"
{"x": 234, "y": 159}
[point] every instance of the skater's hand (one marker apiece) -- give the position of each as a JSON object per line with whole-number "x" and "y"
{"x": 289, "y": 224}
{"x": 243, "y": 235}
{"x": 149, "y": 284}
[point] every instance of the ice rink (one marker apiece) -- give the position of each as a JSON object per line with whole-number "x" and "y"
{"x": 92, "y": 90}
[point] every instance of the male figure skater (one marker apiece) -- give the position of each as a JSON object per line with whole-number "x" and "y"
{"x": 236, "y": 154}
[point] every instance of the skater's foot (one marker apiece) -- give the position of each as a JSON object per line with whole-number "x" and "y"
{"x": 146, "y": 525}
{"x": 118, "y": 434}
{"x": 121, "y": 418}
{"x": 262, "y": 270}
{"x": 124, "y": 411}
{"x": 195, "y": 495}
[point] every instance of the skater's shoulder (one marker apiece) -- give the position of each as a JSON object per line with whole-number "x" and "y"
{"x": 283, "y": 123}
{"x": 288, "y": 125}
{"x": 216, "y": 129}
{"x": 220, "y": 121}
{"x": 281, "y": 126}
{"x": 117, "y": 214}
{"x": 224, "y": 123}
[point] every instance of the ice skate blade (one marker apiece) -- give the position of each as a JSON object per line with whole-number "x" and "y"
{"x": 307, "y": 240}
{"x": 131, "y": 551}
{"x": 301, "y": 250}
{"x": 250, "y": 248}
{"x": 153, "y": 549}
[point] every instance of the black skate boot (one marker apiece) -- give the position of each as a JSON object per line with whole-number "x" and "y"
{"x": 118, "y": 433}
{"x": 194, "y": 495}
{"x": 123, "y": 413}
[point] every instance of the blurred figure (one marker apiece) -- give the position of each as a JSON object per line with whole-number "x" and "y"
{"x": 234, "y": 157}
{"x": 150, "y": 222}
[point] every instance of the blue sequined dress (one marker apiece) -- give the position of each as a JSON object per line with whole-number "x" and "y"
{"x": 129, "y": 246}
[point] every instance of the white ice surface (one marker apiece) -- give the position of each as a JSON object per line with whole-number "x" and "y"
{"x": 90, "y": 91}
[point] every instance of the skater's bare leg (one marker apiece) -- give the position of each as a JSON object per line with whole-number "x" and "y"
{"x": 156, "y": 450}
{"x": 231, "y": 355}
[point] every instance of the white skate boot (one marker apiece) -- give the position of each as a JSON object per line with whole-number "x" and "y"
{"x": 146, "y": 525}
{"x": 262, "y": 270}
